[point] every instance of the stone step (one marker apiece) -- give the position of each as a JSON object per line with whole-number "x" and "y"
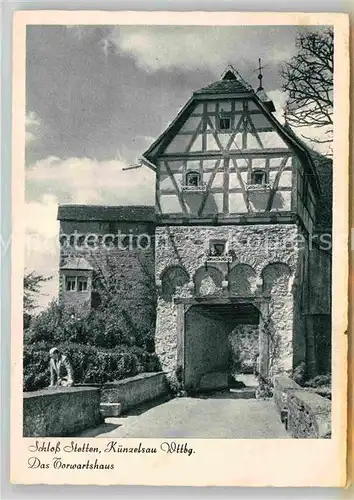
{"x": 110, "y": 409}
{"x": 247, "y": 393}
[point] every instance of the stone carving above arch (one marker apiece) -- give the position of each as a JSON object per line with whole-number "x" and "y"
{"x": 242, "y": 280}
{"x": 173, "y": 279}
{"x": 276, "y": 278}
{"x": 208, "y": 281}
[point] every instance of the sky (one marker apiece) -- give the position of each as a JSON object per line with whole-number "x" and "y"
{"x": 98, "y": 96}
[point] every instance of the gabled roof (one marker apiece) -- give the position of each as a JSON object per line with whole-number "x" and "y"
{"x": 136, "y": 213}
{"x": 76, "y": 264}
{"x": 223, "y": 87}
{"x": 233, "y": 84}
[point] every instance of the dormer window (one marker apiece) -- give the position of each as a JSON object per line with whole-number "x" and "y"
{"x": 193, "y": 179}
{"x": 259, "y": 177}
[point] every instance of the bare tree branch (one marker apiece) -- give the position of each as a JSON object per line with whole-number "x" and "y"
{"x": 308, "y": 80}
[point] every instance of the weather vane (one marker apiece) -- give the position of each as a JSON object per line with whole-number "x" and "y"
{"x": 260, "y": 74}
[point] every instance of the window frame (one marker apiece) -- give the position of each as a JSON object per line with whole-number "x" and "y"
{"x": 189, "y": 174}
{"x": 256, "y": 172}
{"x": 72, "y": 279}
{"x": 224, "y": 115}
{"x": 82, "y": 279}
{"x": 76, "y": 280}
{"x": 212, "y": 244}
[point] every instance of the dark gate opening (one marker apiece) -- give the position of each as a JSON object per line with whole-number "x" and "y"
{"x": 220, "y": 340}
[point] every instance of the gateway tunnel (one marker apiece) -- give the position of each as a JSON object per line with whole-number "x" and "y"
{"x": 220, "y": 338}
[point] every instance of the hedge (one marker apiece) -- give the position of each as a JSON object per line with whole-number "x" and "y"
{"x": 90, "y": 364}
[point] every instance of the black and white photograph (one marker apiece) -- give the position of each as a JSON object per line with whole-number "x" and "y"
{"x": 181, "y": 198}
{"x": 178, "y": 214}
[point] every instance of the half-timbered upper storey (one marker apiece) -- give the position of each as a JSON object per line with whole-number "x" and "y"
{"x": 226, "y": 158}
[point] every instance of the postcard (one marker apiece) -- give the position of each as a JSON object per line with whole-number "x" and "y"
{"x": 179, "y": 248}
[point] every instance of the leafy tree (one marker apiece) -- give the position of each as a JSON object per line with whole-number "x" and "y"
{"x": 32, "y": 283}
{"x": 308, "y": 81}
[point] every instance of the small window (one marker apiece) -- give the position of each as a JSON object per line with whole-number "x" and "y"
{"x": 193, "y": 179}
{"x": 258, "y": 177}
{"x": 82, "y": 284}
{"x": 217, "y": 248}
{"x": 70, "y": 283}
{"x": 224, "y": 121}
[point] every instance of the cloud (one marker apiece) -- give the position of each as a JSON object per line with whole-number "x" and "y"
{"x": 279, "y": 99}
{"x": 33, "y": 124}
{"x": 41, "y": 244}
{"x": 86, "y": 180}
{"x": 211, "y": 48}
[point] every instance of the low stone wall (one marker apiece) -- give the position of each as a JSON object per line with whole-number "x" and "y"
{"x": 282, "y": 385}
{"x": 61, "y": 411}
{"x": 304, "y": 413}
{"x": 133, "y": 391}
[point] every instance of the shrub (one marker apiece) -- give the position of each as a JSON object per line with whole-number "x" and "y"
{"x": 265, "y": 388}
{"x": 299, "y": 373}
{"x": 105, "y": 327}
{"x": 319, "y": 381}
{"x": 90, "y": 364}
{"x": 104, "y": 345}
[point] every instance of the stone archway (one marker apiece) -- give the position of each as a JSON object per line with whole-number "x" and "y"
{"x": 204, "y": 325}
{"x": 173, "y": 279}
{"x": 208, "y": 281}
{"x": 242, "y": 280}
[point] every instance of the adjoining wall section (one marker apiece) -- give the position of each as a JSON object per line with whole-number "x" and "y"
{"x": 304, "y": 413}
{"x": 312, "y": 334}
{"x": 319, "y": 319}
{"x": 118, "y": 243}
{"x": 133, "y": 391}
{"x": 60, "y": 411}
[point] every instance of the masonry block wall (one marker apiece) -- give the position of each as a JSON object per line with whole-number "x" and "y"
{"x": 120, "y": 249}
{"x": 266, "y": 260}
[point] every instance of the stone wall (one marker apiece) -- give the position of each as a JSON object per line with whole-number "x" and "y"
{"x": 61, "y": 411}
{"x": 304, "y": 413}
{"x": 269, "y": 253}
{"x": 136, "y": 390}
{"x": 312, "y": 313}
{"x": 309, "y": 415}
{"x": 127, "y": 264}
{"x": 166, "y": 337}
{"x": 256, "y": 245}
